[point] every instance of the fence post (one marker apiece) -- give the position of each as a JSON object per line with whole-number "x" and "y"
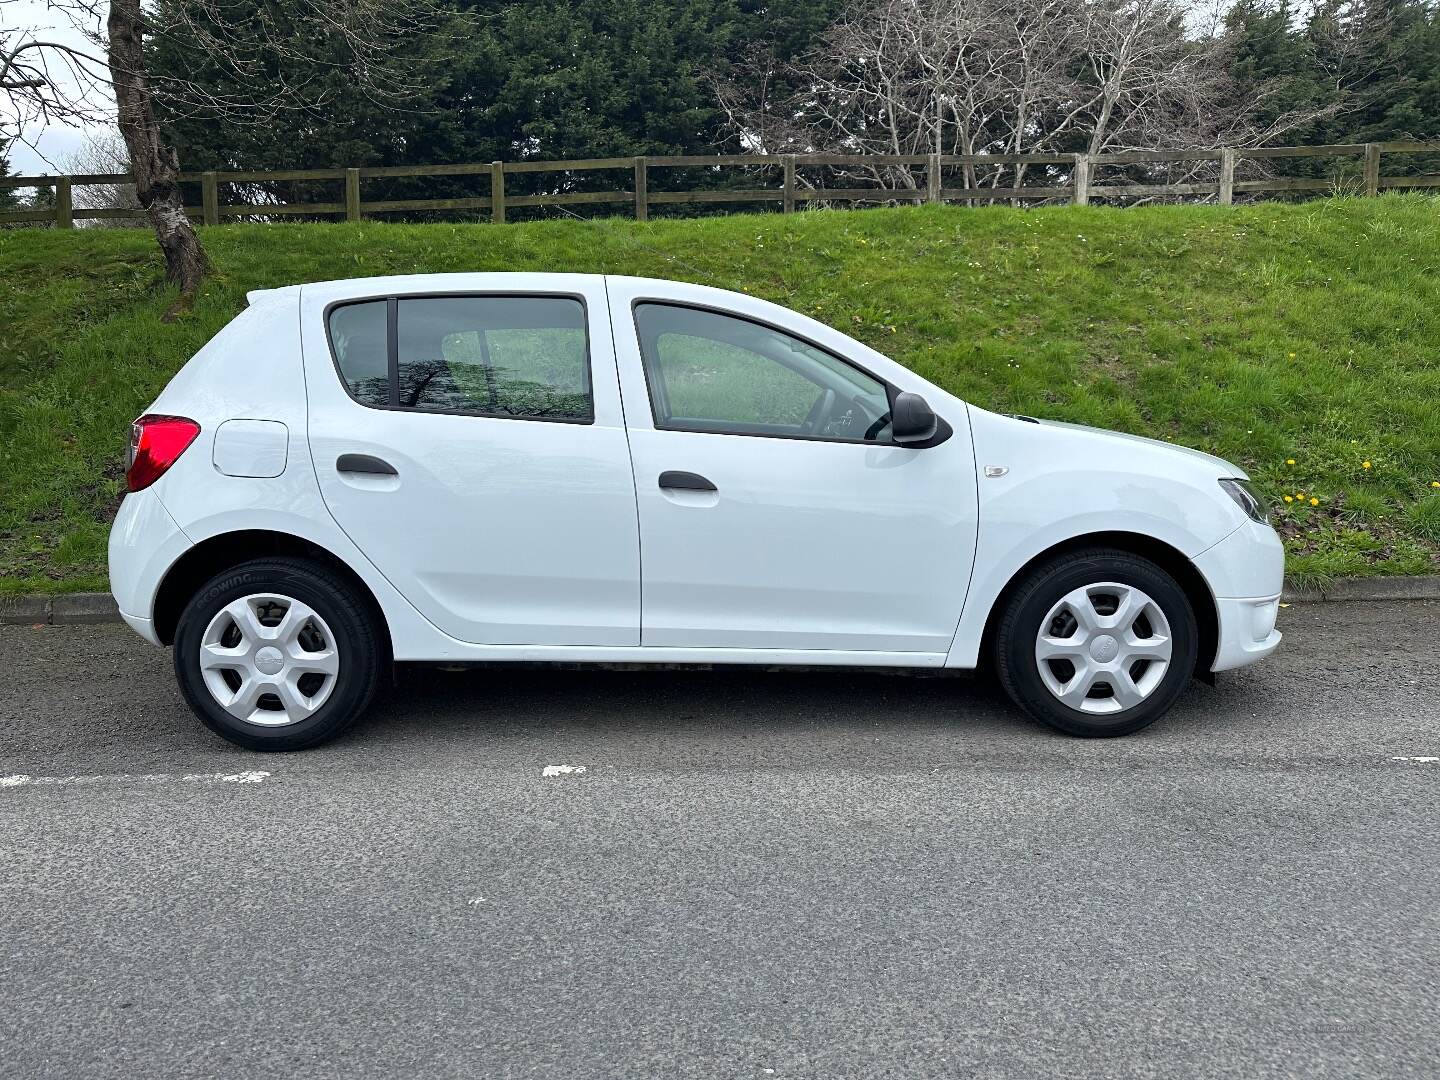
{"x": 497, "y": 192}
{"x": 642, "y": 202}
{"x": 64, "y": 208}
{"x": 789, "y": 161}
{"x": 932, "y": 179}
{"x": 1227, "y": 177}
{"x": 1372, "y": 168}
{"x": 352, "y": 194}
{"x": 209, "y": 199}
{"x": 1082, "y": 180}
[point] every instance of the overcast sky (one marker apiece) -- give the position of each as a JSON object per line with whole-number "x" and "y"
{"x": 57, "y": 142}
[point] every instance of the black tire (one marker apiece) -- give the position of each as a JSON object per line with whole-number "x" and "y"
{"x": 1019, "y": 627}
{"x": 357, "y": 642}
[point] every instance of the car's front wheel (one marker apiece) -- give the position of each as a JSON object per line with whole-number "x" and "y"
{"x": 277, "y": 654}
{"x": 1097, "y": 643}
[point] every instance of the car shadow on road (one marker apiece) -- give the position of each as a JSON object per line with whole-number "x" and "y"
{"x": 96, "y": 699}
{"x": 512, "y": 702}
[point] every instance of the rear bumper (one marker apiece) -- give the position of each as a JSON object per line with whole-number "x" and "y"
{"x": 144, "y": 544}
{"x": 144, "y": 627}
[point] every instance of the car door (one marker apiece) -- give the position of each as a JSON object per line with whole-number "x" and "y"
{"x": 775, "y": 514}
{"x": 470, "y": 441}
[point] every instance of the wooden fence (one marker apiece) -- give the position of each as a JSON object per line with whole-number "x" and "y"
{"x": 1078, "y": 170}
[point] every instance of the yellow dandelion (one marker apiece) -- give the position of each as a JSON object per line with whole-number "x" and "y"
{"x": 1314, "y": 502}
{"x": 1289, "y": 461}
{"x": 1289, "y": 498}
{"x": 1435, "y": 483}
{"x": 1292, "y": 356}
{"x": 1364, "y": 464}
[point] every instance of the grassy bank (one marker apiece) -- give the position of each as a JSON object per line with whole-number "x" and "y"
{"x": 1301, "y": 341}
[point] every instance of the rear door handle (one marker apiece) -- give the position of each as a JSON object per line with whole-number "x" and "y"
{"x": 364, "y": 463}
{"x": 685, "y": 481}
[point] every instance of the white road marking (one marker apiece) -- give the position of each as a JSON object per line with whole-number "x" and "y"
{"x": 249, "y": 777}
{"x": 562, "y": 770}
{"x": 1425, "y": 760}
{"x": 24, "y": 780}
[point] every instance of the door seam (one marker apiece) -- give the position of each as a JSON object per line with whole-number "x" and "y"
{"x": 630, "y": 452}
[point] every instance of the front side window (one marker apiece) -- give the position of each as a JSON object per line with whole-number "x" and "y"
{"x": 721, "y": 374}
{"x": 506, "y": 356}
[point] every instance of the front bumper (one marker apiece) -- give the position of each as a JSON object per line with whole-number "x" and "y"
{"x": 1247, "y": 631}
{"x": 1245, "y": 572}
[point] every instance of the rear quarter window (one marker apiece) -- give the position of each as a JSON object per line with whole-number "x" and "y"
{"x": 357, "y": 336}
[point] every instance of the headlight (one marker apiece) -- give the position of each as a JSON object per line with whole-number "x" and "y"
{"x": 1243, "y": 492}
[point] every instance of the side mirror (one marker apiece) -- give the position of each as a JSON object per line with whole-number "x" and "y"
{"x": 912, "y": 422}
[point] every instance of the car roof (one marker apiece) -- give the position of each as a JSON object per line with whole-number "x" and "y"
{"x": 364, "y": 286}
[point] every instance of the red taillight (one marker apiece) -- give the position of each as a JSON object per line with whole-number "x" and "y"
{"x": 156, "y": 443}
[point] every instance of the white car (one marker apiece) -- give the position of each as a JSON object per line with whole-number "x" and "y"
{"x": 555, "y": 467}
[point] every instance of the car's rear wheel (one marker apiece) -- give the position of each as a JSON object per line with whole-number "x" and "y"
{"x": 277, "y": 654}
{"x": 1097, "y": 643}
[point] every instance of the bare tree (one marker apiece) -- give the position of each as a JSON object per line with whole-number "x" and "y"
{"x": 46, "y": 80}
{"x": 104, "y": 152}
{"x": 1004, "y": 77}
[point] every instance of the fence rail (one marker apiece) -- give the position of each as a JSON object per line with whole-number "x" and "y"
{"x": 791, "y": 194}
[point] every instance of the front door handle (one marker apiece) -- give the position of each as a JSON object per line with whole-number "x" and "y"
{"x": 685, "y": 481}
{"x": 364, "y": 463}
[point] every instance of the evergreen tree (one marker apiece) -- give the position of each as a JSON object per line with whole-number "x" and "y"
{"x": 525, "y": 79}
{"x": 1375, "y": 64}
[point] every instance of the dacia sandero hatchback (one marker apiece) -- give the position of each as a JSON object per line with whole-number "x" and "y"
{"x": 554, "y": 467}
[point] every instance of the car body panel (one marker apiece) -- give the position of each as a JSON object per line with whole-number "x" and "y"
{"x": 1245, "y": 571}
{"x": 516, "y": 532}
{"x": 1063, "y": 481}
{"x": 1248, "y": 562}
{"x": 145, "y": 541}
{"x": 799, "y": 546}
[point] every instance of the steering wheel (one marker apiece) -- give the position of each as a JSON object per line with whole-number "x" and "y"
{"x": 819, "y": 412}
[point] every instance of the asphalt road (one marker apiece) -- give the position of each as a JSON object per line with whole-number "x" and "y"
{"x": 758, "y": 874}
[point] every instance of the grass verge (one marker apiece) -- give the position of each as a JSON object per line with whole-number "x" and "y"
{"x": 1300, "y": 341}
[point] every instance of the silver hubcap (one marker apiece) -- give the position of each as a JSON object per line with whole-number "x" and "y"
{"x": 1103, "y": 648}
{"x": 269, "y": 659}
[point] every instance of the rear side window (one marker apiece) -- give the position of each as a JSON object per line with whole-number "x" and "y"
{"x": 524, "y": 357}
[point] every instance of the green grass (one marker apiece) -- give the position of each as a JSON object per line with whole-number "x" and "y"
{"x": 1263, "y": 334}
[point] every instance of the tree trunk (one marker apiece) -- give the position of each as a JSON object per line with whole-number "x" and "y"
{"x": 156, "y": 166}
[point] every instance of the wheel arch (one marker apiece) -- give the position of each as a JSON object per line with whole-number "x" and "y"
{"x": 1168, "y": 558}
{"x": 224, "y": 550}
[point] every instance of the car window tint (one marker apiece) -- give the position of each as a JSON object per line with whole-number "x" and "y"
{"x": 717, "y": 373}
{"x": 357, "y": 334}
{"x": 500, "y": 356}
